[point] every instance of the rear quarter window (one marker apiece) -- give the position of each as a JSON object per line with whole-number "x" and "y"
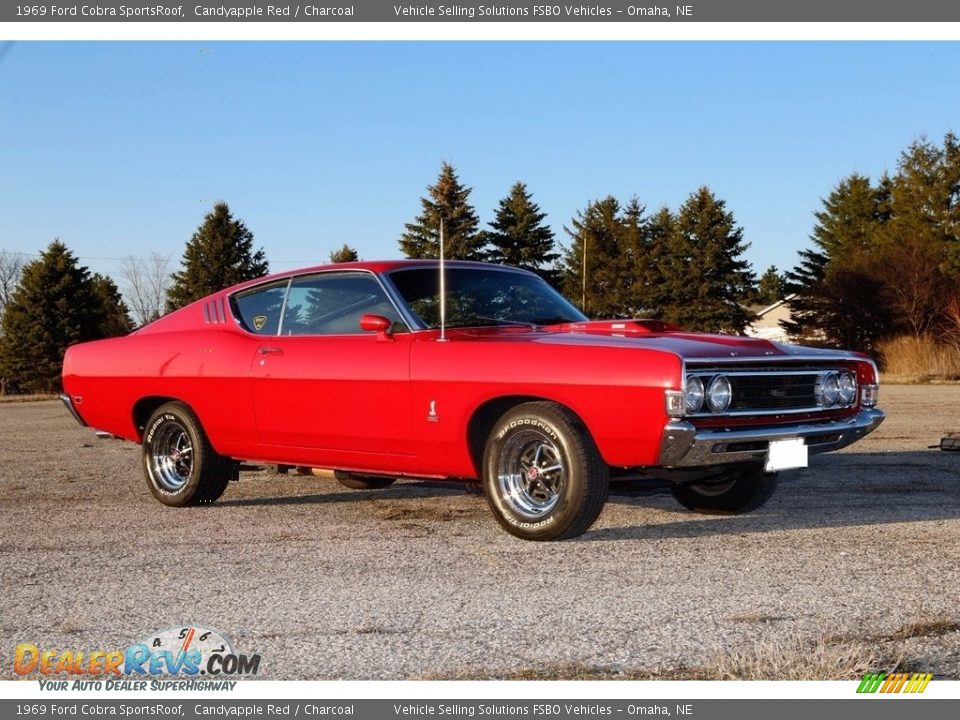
{"x": 258, "y": 310}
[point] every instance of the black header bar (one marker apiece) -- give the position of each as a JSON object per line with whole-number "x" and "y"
{"x": 467, "y": 11}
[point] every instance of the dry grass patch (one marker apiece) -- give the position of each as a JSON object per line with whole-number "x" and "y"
{"x": 757, "y": 618}
{"x": 379, "y": 630}
{"x": 926, "y": 628}
{"x": 70, "y": 627}
{"x": 27, "y": 398}
{"x": 919, "y": 359}
{"x": 798, "y": 658}
{"x": 790, "y": 657}
{"x": 567, "y": 671}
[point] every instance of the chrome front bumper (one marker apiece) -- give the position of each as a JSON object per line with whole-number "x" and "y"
{"x": 685, "y": 446}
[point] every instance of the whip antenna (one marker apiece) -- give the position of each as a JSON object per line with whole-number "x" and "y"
{"x": 443, "y": 290}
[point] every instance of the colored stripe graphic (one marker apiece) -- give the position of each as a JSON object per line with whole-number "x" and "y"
{"x": 894, "y": 682}
{"x": 871, "y": 682}
{"x": 919, "y": 682}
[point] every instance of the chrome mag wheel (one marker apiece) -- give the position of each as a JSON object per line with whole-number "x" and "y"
{"x": 172, "y": 457}
{"x": 180, "y": 465}
{"x": 543, "y": 477}
{"x": 531, "y": 474}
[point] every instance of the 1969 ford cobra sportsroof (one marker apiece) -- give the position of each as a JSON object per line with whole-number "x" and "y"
{"x": 347, "y": 367}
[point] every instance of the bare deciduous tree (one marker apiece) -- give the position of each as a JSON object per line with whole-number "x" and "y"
{"x": 146, "y": 281}
{"x": 11, "y": 264}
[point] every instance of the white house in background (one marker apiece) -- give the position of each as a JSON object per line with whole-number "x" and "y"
{"x": 767, "y": 323}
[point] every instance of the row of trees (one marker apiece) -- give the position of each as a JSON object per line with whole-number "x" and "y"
{"x": 54, "y": 301}
{"x": 686, "y": 267}
{"x": 884, "y": 261}
{"x": 49, "y": 304}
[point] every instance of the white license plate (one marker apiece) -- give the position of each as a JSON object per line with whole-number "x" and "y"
{"x": 786, "y": 454}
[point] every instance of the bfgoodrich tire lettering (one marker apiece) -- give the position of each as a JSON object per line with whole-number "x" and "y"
{"x": 738, "y": 492}
{"x": 542, "y": 474}
{"x": 180, "y": 466}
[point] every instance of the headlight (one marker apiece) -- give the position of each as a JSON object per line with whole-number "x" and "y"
{"x": 694, "y": 395}
{"x": 848, "y": 388}
{"x": 719, "y": 394}
{"x": 829, "y": 389}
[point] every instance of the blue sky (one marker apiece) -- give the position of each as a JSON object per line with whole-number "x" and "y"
{"x": 120, "y": 148}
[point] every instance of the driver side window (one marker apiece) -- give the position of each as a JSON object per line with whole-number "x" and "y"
{"x": 333, "y": 303}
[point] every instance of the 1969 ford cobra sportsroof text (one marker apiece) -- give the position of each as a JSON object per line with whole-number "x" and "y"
{"x": 346, "y": 367}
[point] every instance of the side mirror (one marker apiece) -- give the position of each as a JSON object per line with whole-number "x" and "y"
{"x": 376, "y": 323}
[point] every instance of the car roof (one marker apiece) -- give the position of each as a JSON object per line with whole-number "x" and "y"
{"x": 375, "y": 266}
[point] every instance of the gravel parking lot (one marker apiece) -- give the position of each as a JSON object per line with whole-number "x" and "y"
{"x": 858, "y": 555}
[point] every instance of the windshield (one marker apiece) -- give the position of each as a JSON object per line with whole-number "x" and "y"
{"x": 479, "y": 297}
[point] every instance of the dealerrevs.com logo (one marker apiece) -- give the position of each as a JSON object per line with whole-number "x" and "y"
{"x": 187, "y": 651}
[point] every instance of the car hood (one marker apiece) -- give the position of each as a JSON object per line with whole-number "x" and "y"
{"x": 657, "y": 335}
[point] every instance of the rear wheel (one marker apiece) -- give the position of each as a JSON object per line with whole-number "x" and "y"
{"x": 542, "y": 474}
{"x": 363, "y": 482}
{"x": 180, "y": 465}
{"x": 737, "y": 492}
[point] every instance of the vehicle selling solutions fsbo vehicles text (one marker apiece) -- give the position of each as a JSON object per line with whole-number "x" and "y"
{"x": 538, "y": 11}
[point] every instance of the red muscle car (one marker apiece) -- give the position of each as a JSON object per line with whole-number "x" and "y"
{"x": 347, "y": 367}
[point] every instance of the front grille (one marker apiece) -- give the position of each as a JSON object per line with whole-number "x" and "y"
{"x": 773, "y": 392}
{"x": 770, "y": 390}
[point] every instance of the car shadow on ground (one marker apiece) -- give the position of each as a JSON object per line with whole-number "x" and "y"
{"x": 400, "y": 491}
{"x": 840, "y": 490}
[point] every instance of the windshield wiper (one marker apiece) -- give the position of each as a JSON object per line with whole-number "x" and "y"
{"x": 504, "y": 321}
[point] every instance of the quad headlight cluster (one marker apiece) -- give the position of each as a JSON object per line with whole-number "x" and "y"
{"x": 716, "y": 396}
{"x": 801, "y": 391}
{"x": 837, "y": 389}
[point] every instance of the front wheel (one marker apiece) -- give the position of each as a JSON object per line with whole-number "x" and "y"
{"x": 180, "y": 465}
{"x": 737, "y": 492}
{"x": 542, "y": 474}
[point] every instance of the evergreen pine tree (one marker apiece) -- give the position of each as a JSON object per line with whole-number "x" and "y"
{"x": 951, "y": 182}
{"x": 916, "y": 245}
{"x": 811, "y": 302}
{"x": 839, "y": 302}
{"x": 599, "y": 286}
{"x": 55, "y": 305}
{"x": 704, "y": 274}
{"x": 643, "y": 246}
{"x": 519, "y": 236}
{"x": 447, "y": 200}
{"x": 116, "y": 314}
{"x": 770, "y": 287}
{"x": 344, "y": 254}
{"x": 654, "y": 294}
{"x": 219, "y": 254}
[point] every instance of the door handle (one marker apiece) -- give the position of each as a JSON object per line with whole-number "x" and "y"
{"x": 271, "y": 351}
